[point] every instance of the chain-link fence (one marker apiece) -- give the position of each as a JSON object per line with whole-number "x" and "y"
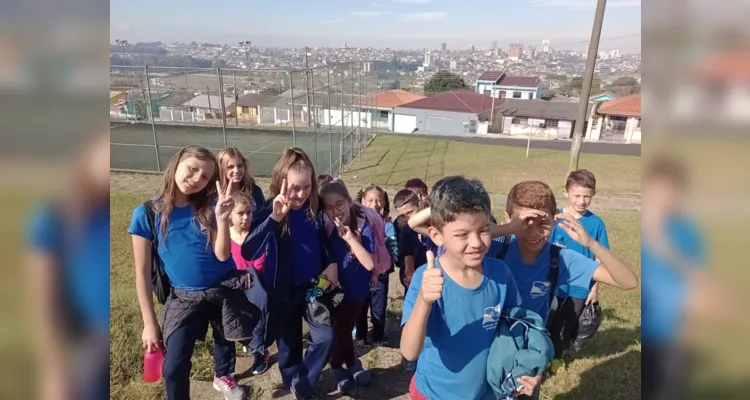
{"x": 329, "y": 111}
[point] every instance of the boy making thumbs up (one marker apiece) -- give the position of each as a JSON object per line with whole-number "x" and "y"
{"x": 453, "y": 305}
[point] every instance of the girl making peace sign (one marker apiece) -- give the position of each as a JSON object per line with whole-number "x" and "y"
{"x": 291, "y": 230}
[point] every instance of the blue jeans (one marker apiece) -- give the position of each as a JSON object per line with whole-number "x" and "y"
{"x": 298, "y": 370}
{"x": 377, "y": 302}
{"x": 179, "y": 348}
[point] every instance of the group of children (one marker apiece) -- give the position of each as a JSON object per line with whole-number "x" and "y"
{"x": 312, "y": 252}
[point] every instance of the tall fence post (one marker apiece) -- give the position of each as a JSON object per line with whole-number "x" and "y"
{"x": 313, "y": 117}
{"x": 330, "y": 138}
{"x": 151, "y": 114}
{"x": 291, "y": 97}
{"x": 343, "y": 131}
{"x": 222, "y": 105}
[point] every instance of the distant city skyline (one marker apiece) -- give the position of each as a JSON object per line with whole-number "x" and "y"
{"x": 397, "y": 24}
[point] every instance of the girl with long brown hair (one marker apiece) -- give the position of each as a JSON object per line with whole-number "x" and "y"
{"x": 191, "y": 225}
{"x": 234, "y": 167}
{"x": 291, "y": 231}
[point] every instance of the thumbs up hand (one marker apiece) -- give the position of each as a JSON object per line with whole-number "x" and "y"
{"x": 432, "y": 281}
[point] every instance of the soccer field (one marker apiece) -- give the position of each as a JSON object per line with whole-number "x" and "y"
{"x": 132, "y": 145}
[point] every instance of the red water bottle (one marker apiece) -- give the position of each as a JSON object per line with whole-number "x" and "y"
{"x": 152, "y": 364}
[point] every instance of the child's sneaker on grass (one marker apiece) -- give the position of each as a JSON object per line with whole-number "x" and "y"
{"x": 361, "y": 376}
{"x": 260, "y": 365}
{"x": 556, "y": 365}
{"x": 342, "y": 379}
{"x": 229, "y": 388}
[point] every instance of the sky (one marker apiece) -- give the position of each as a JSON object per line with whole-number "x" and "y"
{"x": 400, "y": 24}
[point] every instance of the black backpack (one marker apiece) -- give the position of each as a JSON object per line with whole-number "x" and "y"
{"x": 554, "y": 262}
{"x": 159, "y": 278}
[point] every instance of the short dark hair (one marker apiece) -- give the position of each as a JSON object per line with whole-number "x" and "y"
{"x": 416, "y": 184}
{"x": 535, "y": 195}
{"x": 405, "y": 196}
{"x": 324, "y": 178}
{"x": 582, "y": 178}
{"x": 455, "y": 195}
{"x": 667, "y": 168}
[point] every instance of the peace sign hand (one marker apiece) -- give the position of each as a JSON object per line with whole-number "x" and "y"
{"x": 344, "y": 231}
{"x": 280, "y": 203}
{"x": 224, "y": 203}
{"x": 574, "y": 228}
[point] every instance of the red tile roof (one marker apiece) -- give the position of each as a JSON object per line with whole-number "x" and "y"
{"x": 629, "y": 106}
{"x": 728, "y": 66}
{"x": 457, "y": 101}
{"x": 490, "y": 76}
{"x": 520, "y": 81}
{"x": 395, "y": 98}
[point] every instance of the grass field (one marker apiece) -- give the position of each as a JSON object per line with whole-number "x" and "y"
{"x": 609, "y": 368}
{"x": 132, "y": 145}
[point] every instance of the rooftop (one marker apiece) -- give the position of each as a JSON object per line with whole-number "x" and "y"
{"x": 395, "y": 98}
{"x": 206, "y": 101}
{"x": 628, "y": 106}
{"x": 500, "y": 79}
{"x": 459, "y": 101}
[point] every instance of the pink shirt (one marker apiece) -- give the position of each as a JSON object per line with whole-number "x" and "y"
{"x": 258, "y": 264}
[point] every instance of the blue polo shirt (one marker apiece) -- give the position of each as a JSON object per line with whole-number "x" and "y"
{"x": 594, "y": 225}
{"x": 574, "y": 271}
{"x": 664, "y": 289}
{"x": 188, "y": 258}
{"x": 460, "y": 330}
{"x": 354, "y": 278}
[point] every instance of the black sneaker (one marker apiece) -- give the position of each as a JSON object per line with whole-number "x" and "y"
{"x": 260, "y": 365}
{"x": 298, "y": 397}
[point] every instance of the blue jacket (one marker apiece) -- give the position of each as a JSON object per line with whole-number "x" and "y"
{"x": 522, "y": 347}
{"x": 268, "y": 236}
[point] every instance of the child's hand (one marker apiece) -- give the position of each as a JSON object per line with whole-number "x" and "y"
{"x": 593, "y": 295}
{"x": 524, "y": 219}
{"x": 224, "y": 203}
{"x": 280, "y": 204}
{"x": 574, "y": 228}
{"x": 151, "y": 338}
{"x": 432, "y": 281}
{"x": 344, "y": 231}
{"x": 528, "y": 384}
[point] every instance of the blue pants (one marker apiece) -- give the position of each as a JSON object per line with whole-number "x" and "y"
{"x": 377, "y": 302}
{"x": 262, "y": 337}
{"x": 301, "y": 372}
{"x": 180, "y": 345}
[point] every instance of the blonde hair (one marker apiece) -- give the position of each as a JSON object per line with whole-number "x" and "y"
{"x": 201, "y": 201}
{"x": 248, "y": 182}
{"x": 297, "y": 160}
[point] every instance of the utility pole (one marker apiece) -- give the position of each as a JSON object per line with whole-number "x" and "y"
{"x": 307, "y": 89}
{"x": 588, "y": 77}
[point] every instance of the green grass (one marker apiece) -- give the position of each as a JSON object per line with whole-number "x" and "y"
{"x": 391, "y": 160}
{"x": 609, "y": 368}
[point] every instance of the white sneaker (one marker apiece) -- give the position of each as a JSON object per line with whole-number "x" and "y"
{"x": 229, "y": 388}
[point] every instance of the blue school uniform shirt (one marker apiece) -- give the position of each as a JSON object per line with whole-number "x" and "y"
{"x": 664, "y": 288}
{"x": 354, "y": 278}
{"x": 82, "y": 257}
{"x": 460, "y": 331}
{"x": 307, "y": 261}
{"x": 409, "y": 245}
{"x": 574, "y": 270}
{"x": 596, "y": 229}
{"x": 258, "y": 198}
{"x": 188, "y": 259}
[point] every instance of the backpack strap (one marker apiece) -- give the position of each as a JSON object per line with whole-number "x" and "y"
{"x": 151, "y": 218}
{"x": 554, "y": 271}
{"x": 503, "y": 248}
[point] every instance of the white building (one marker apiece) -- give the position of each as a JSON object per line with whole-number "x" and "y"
{"x": 501, "y": 86}
{"x": 427, "y": 59}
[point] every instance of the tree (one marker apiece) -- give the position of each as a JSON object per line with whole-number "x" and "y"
{"x": 444, "y": 81}
{"x": 624, "y": 86}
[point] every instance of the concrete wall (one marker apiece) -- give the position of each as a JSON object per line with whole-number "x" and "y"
{"x": 439, "y": 122}
{"x": 533, "y": 128}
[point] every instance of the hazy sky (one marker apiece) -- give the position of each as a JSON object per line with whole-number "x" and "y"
{"x": 384, "y": 23}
